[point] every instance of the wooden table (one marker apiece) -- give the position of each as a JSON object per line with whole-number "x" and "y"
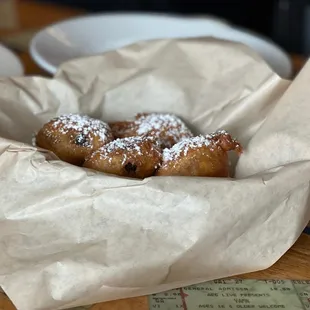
{"x": 295, "y": 264}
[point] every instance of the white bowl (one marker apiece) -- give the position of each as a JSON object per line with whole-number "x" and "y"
{"x": 95, "y": 34}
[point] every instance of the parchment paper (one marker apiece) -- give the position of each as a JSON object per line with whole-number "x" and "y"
{"x": 70, "y": 236}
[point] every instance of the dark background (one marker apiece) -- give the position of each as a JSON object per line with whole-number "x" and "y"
{"x": 283, "y": 21}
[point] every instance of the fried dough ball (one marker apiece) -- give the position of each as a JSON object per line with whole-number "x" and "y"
{"x": 73, "y": 137}
{"x": 123, "y": 129}
{"x": 168, "y": 129}
{"x": 204, "y": 156}
{"x": 135, "y": 157}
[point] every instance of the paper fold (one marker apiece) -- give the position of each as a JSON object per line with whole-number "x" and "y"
{"x": 71, "y": 237}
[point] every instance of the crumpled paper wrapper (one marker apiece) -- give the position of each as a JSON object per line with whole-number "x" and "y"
{"x": 71, "y": 236}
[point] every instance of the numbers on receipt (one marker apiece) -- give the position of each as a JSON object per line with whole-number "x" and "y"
{"x": 236, "y": 294}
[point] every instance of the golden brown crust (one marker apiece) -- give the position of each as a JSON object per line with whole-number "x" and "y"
{"x": 73, "y": 137}
{"x": 204, "y": 156}
{"x": 168, "y": 129}
{"x": 123, "y": 129}
{"x": 152, "y": 144}
{"x": 135, "y": 157}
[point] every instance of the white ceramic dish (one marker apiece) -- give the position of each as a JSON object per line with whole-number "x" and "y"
{"x": 9, "y": 64}
{"x": 95, "y": 34}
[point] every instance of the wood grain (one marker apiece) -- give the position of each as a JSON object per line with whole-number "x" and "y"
{"x": 8, "y": 18}
{"x": 33, "y": 15}
{"x": 295, "y": 264}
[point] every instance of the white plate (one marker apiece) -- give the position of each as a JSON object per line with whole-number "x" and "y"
{"x": 95, "y": 34}
{"x": 9, "y": 64}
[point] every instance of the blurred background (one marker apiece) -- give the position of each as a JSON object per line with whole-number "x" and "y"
{"x": 286, "y": 22}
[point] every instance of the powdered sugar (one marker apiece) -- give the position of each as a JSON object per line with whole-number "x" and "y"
{"x": 211, "y": 141}
{"x": 85, "y": 126}
{"x": 218, "y": 133}
{"x": 182, "y": 147}
{"x": 168, "y": 129}
{"x": 130, "y": 144}
{"x": 155, "y": 124}
{"x": 129, "y": 148}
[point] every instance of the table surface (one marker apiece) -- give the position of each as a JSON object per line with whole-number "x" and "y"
{"x": 295, "y": 264}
